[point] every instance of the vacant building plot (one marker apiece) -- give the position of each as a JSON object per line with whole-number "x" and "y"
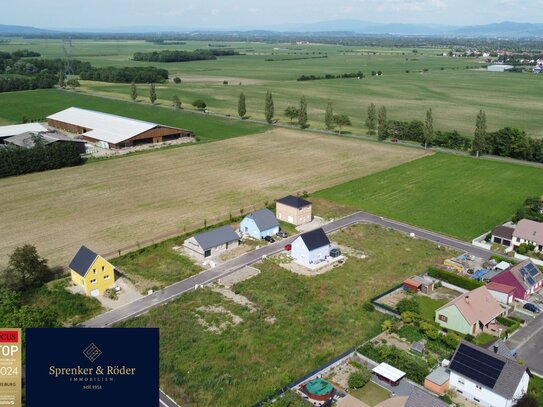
{"x": 114, "y": 203}
{"x": 458, "y": 196}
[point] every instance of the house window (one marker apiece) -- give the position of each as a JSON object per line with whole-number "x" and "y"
{"x": 460, "y": 381}
{"x": 93, "y": 271}
{"x": 442, "y": 318}
{"x": 103, "y": 269}
{"x": 106, "y": 277}
{"x": 478, "y": 387}
{"x": 93, "y": 281}
{"x": 477, "y": 400}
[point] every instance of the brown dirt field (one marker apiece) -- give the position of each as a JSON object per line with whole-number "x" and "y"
{"x": 114, "y": 203}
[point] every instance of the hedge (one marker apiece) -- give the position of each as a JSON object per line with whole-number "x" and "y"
{"x": 455, "y": 279}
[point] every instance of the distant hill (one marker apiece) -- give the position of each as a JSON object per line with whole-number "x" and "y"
{"x": 504, "y": 29}
{"x": 22, "y": 30}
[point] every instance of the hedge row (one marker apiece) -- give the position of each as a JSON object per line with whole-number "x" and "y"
{"x": 455, "y": 279}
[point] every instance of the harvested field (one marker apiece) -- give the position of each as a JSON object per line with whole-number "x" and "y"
{"x": 111, "y": 204}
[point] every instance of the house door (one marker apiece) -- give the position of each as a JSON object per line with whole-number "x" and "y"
{"x": 95, "y": 293}
{"x": 207, "y": 253}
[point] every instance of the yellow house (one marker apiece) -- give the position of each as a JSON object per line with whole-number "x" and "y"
{"x": 91, "y": 271}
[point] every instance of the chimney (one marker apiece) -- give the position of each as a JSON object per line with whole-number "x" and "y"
{"x": 467, "y": 299}
{"x": 495, "y": 348}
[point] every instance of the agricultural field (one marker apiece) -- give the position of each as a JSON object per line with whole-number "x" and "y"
{"x": 459, "y": 196}
{"x": 314, "y": 319}
{"x": 453, "y": 92}
{"x": 110, "y": 204}
{"x": 38, "y": 104}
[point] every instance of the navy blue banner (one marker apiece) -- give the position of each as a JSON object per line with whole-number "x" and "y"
{"x": 91, "y": 367}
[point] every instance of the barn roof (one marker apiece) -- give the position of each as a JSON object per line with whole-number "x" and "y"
{"x": 216, "y": 237}
{"x": 83, "y": 260}
{"x": 264, "y": 219}
{"x": 14, "y": 130}
{"x": 103, "y": 126}
{"x": 26, "y": 140}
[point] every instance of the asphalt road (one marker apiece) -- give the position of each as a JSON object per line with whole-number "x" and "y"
{"x": 528, "y": 343}
{"x": 176, "y": 290}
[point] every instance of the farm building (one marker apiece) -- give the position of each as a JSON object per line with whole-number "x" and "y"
{"x": 437, "y": 381}
{"x": 259, "y": 224}
{"x": 502, "y": 235}
{"x": 499, "y": 68}
{"x": 529, "y": 232}
{"x": 504, "y": 294}
{"x": 485, "y": 377}
{"x": 421, "y": 398}
{"x": 311, "y": 247}
{"x": 525, "y": 277}
{"x": 27, "y": 140}
{"x": 16, "y": 129}
{"x": 92, "y": 272}
{"x": 470, "y": 313}
{"x": 111, "y": 131}
{"x": 294, "y": 210}
{"x": 212, "y": 242}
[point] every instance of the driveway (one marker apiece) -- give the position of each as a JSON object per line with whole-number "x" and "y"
{"x": 528, "y": 343}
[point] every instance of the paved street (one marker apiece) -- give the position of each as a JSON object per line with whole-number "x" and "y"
{"x": 528, "y": 342}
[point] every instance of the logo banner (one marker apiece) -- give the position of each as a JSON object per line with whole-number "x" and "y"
{"x": 10, "y": 367}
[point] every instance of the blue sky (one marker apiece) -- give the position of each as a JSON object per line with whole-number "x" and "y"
{"x": 255, "y": 13}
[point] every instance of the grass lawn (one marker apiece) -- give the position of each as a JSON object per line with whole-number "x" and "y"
{"x": 38, "y": 104}
{"x": 71, "y": 308}
{"x": 427, "y": 306}
{"x": 536, "y": 388}
{"x": 458, "y": 196}
{"x": 483, "y": 338}
{"x": 371, "y": 394}
{"x": 156, "y": 266}
{"x": 316, "y": 319}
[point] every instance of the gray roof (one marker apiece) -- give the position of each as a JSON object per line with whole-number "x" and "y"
{"x": 82, "y": 261}
{"x": 216, "y": 237}
{"x": 505, "y": 232}
{"x": 26, "y": 140}
{"x": 264, "y": 219}
{"x": 315, "y": 239}
{"x": 294, "y": 201}
{"x": 510, "y": 376}
{"x": 421, "y": 398}
{"x": 439, "y": 376}
{"x": 501, "y": 349}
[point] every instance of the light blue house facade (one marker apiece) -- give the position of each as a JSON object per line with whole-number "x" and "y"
{"x": 311, "y": 247}
{"x": 259, "y": 224}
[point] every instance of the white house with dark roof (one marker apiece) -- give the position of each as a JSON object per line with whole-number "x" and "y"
{"x": 212, "y": 242}
{"x": 311, "y": 247}
{"x": 259, "y": 224}
{"x": 487, "y": 377}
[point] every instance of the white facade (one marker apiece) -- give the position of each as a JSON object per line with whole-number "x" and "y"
{"x": 502, "y": 298}
{"x": 484, "y": 396}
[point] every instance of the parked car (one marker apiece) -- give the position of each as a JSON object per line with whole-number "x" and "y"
{"x": 282, "y": 234}
{"x": 269, "y": 239}
{"x": 288, "y": 247}
{"x": 532, "y": 307}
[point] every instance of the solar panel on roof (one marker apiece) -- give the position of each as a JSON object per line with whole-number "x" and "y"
{"x": 532, "y": 269}
{"x": 477, "y": 365}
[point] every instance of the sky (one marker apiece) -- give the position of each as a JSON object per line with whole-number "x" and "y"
{"x": 250, "y": 14}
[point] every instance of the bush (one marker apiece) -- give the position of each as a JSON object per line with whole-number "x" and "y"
{"x": 410, "y": 333}
{"x": 199, "y": 104}
{"x": 455, "y": 279}
{"x": 410, "y": 317}
{"x": 408, "y": 305}
{"x": 177, "y": 80}
{"x": 451, "y": 340}
{"x": 429, "y": 330}
{"x": 359, "y": 378}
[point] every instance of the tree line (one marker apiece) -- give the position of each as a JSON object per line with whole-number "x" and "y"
{"x": 144, "y": 74}
{"x": 41, "y": 157}
{"x": 182, "y": 56}
{"x": 358, "y": 75}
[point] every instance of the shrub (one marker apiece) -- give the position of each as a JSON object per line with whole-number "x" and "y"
{"x": 359, "y": 378}
{"x": 408, "y": 304}
{"x": 199, "y": 104}
{"x": 410, "y": 333}
{"x": 409, "y": 317}
{"x": 455, "y": 279}
{"x": 429, "y": 330}
{"x": 177, "y": 79}
{"x": 111, "y": 294}
{"x": 451, "y": 340}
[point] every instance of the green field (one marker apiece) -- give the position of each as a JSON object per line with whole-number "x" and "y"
{"x": 316, "y": 318}
{"x": 455, "y": 93}
{"x": 459, "y": 196}
{"x": 38, "y": 104}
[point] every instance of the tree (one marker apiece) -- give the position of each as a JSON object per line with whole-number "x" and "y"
{"x": 73, "y": 83}
{"x": 199, "y": 104}
{"x": 329, "y": 116}
{"x": 25, "y": 269}
{"x": 527, "y": 400}
{"x": 62, "y": 79}
{"x": 479, "y": 137}
{"x": 292, "y": 112}
{"x": 176, "y": 102}
{"x": 428, "y": 128}
{"x": 177, "y": 80}
{"x": 386, "y": 325}
{"x": 269, "y": 110}
{"x": 382, "y": 123}
{"x": 242, "y": 109}
{"x": 359, "y": 378}
{"x": 302, "y": 113}
{"x": 371, "y": 120}
{"x": 152, "y": 93}
{"x": 407, "y": 304}
{"x": 133, "y": 92}
{"x": 341, "y": 120}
